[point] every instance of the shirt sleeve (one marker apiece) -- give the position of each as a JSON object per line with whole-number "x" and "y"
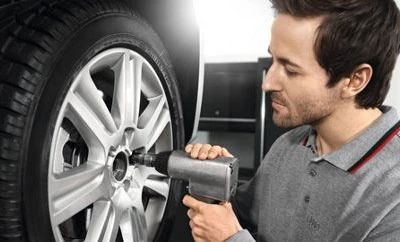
{"x": 241, "y": 236}
{"x": 246, "y": 203}
{"x": 388, "y": 229}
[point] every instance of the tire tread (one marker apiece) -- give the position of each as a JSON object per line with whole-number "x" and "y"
{"x": 30, "y": 33}
{"x": 21, "y": 32}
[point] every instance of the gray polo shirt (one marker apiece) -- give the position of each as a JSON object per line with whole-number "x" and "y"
{"x": 351, "y": 194}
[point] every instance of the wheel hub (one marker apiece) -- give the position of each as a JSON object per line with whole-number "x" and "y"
{"x": 120, "y": 166}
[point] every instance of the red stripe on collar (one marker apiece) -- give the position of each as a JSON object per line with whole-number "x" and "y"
{"x": 376, "y": 148}
{"x": 305, "y": 140}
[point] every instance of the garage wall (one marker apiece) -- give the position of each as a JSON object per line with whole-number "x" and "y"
{"x": 239, "y": 31}
{"x": 393, "y": 96}
{"x": 235, "y": 30}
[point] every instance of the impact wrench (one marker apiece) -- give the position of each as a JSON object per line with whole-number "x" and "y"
{"x": 210, "y": 181}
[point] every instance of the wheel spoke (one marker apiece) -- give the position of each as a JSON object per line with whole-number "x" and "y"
{"x": 158, "y": 188}
{"x": 87, "y": 123}
{"x": 154, "y": 214}
{"x": 122, "y": 105}
{"x": 151, "y": 123}
{"x": 122, "y": 204}
{"x": 132, "y": 226}
{"x": 158, "y": 185}
{"x": 135, "y": 196}
{"x": 105, "y": 222}
{"x": 128, "y": 227}
{"x": 101, "y": 216}
{"x": 72, "y": 191}
{"x": 137, "y": 89}
{"x": 90, "y": 95}
{"x": 137, "y": 215}
{"x": 112, "y": 226}
{"x": 151, "y": 86}
{"x": 163, "y": 120}
{"x": 155, "y": 206}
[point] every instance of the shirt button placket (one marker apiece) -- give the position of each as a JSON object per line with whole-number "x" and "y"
{"x": 313, "y": 173}
{"x": 307, "y": 199}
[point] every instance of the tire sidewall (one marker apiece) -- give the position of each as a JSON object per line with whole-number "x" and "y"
{"x": 91, "y": 38}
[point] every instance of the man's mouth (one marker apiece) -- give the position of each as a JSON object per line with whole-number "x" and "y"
{"x": 276, "y": 101}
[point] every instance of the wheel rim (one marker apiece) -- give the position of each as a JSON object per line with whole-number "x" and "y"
{"x": 115, "y": 105}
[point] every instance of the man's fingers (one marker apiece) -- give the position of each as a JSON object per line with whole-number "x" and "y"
{"x": 192, "y": 203}
{"x": 195, "y": 150}
{"x": 203, "y": 153}
{"x": 206, "y": 151}
{"x": 189, "y": 148}
{"x": 226, "y": 153}
{"x": 190, "y": 213}
{"x": 227, "y": 205}
{"x": 191, "y": 224}
{"x": 214, "y": 152}
{"x": 196, "y": 233}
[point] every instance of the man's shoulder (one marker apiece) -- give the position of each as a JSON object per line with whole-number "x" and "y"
{"x": 393, "y": 149}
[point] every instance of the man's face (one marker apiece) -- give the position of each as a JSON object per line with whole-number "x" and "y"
{"x": 296, "y": 81}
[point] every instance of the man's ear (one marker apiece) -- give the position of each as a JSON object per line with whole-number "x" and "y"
{"x": 357, "y": 80}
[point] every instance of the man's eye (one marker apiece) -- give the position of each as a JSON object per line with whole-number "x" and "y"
{"x": 290, "y": 73}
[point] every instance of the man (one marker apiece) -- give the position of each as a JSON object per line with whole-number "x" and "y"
{"x": 336, "y": 175}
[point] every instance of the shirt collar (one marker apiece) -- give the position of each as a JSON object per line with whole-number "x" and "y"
{"x": 345, "y": 157}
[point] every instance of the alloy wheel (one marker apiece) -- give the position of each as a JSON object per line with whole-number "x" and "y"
{"x": 116, "y": 105}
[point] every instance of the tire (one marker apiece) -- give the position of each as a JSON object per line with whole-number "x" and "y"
{"x": 83, "y": 84}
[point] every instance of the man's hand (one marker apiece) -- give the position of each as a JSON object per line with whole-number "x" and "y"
{"x": 211, "y": 222}
{"x": 206, "y": 151}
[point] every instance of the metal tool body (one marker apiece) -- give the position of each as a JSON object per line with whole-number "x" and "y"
{"x": 209, "y": 180}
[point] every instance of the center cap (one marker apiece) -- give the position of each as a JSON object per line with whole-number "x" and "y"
{"x": 120, "y": 166}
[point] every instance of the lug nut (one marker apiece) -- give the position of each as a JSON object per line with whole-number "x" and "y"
{"x": 112, "y": 152}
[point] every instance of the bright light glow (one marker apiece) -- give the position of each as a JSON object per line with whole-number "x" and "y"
{"x": 239, "y": 31}
{"x": 234, "y": 30}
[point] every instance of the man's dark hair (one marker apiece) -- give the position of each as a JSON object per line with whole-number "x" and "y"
{"x": 353, "y": 32}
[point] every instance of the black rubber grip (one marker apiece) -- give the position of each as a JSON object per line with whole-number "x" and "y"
{"x": 161, "y": 162}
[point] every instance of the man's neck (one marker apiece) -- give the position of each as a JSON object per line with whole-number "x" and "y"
{"x": 341, "y": 127}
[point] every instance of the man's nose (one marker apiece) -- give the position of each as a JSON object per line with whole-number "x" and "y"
{"x": 269, "y": 81}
